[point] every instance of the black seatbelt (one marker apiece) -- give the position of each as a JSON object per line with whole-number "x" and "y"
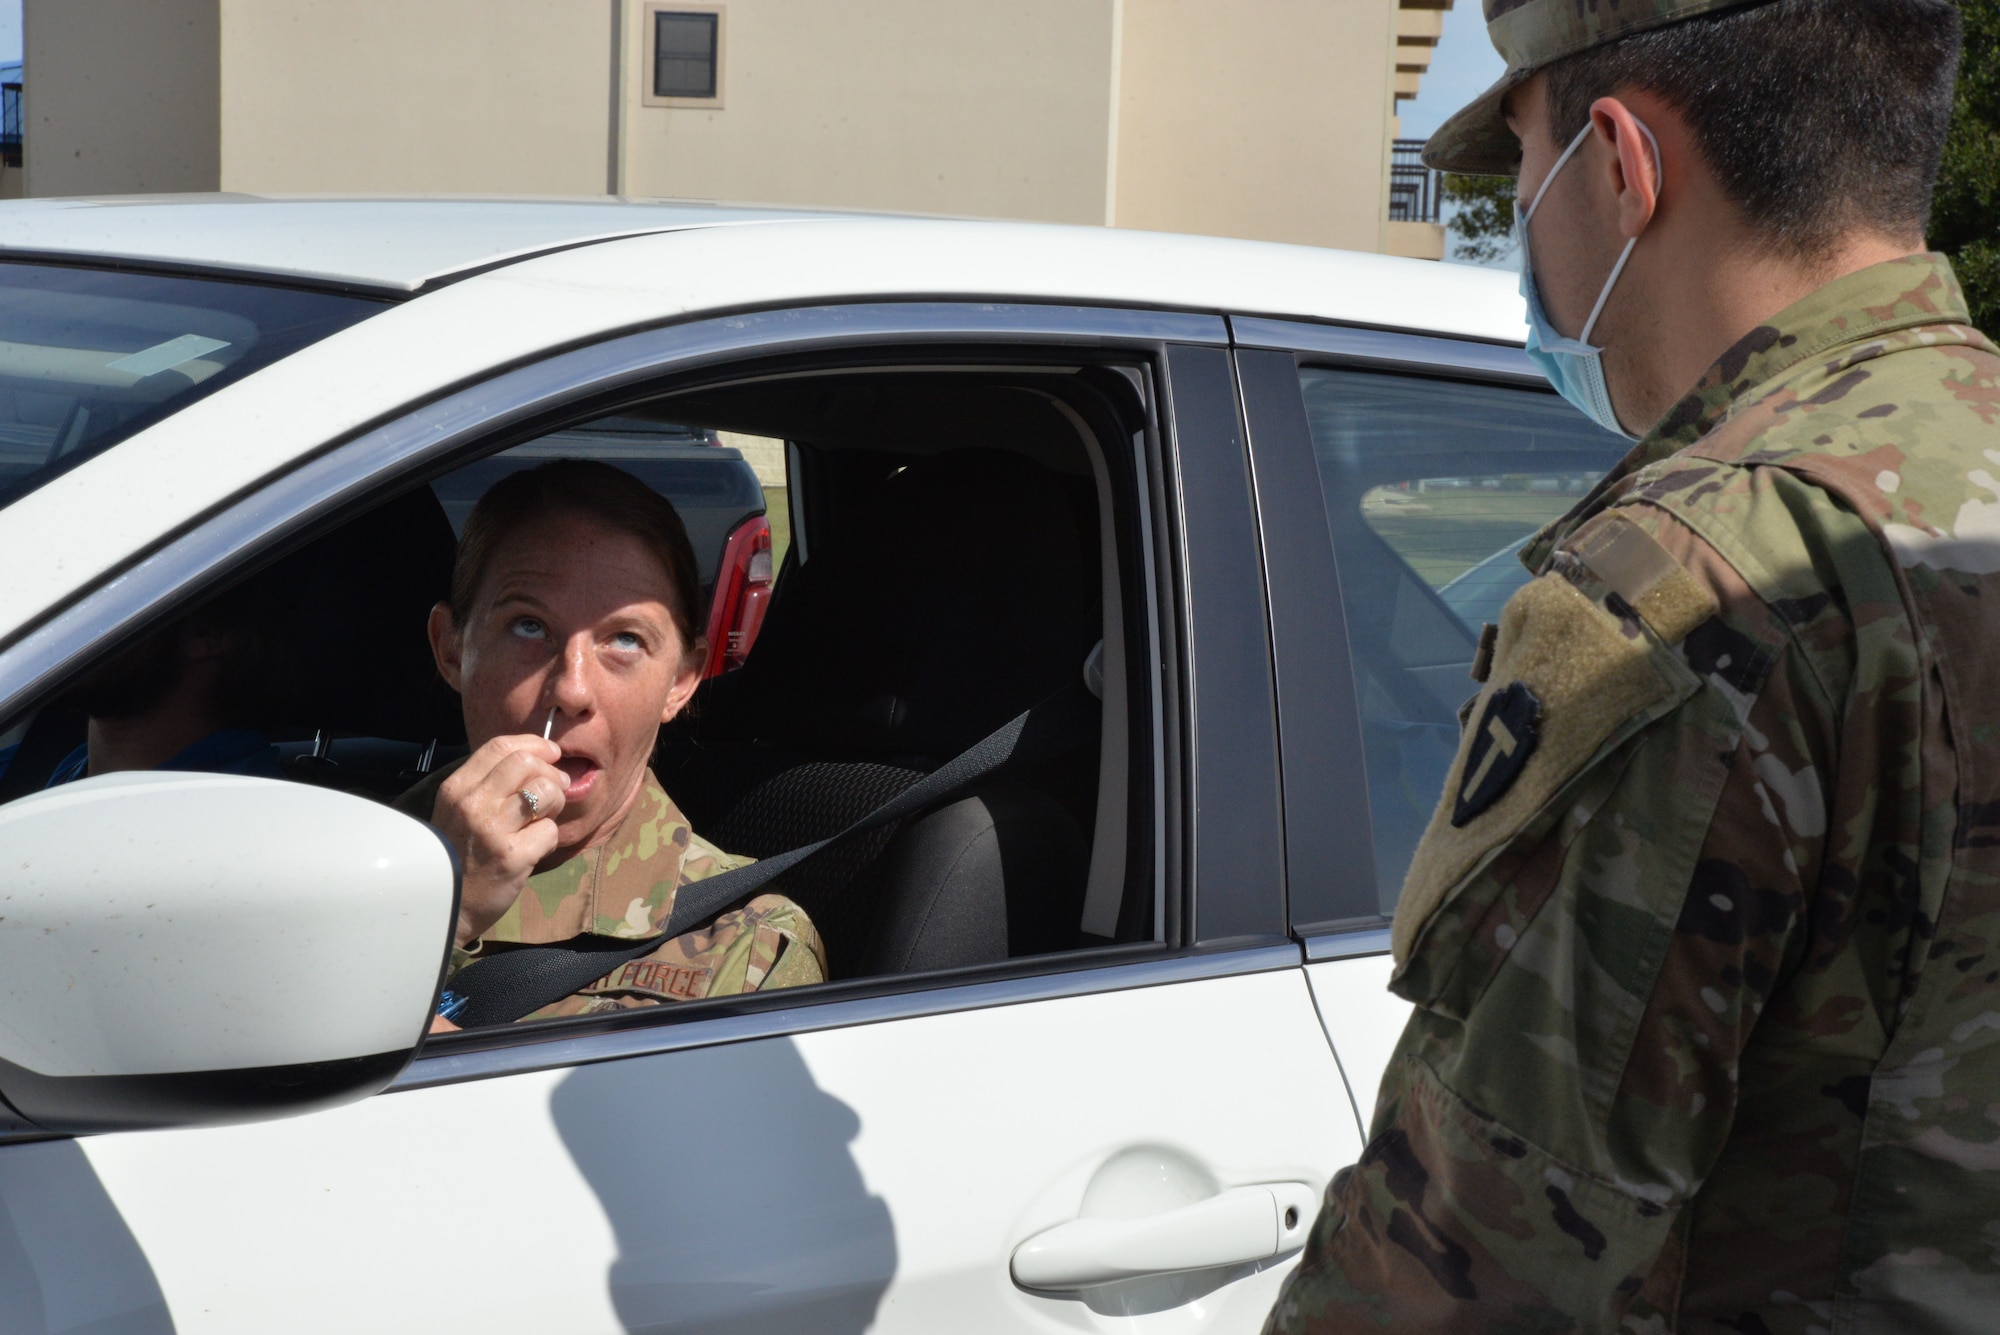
{"x": 504, "y": 987}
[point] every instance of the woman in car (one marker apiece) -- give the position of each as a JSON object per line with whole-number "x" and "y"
{"x": 570, "y": 637}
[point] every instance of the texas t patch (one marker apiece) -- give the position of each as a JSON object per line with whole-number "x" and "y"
{"x": 1501, "y": 743}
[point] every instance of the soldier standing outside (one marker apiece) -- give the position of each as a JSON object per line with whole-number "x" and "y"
{"x": 1704, "y": 938}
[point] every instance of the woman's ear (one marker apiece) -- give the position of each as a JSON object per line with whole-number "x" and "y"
{"x": 685, "y": 681}
{"x": 446, "y": 644}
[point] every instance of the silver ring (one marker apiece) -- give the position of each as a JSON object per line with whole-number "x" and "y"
{"x": 534, "y": 802}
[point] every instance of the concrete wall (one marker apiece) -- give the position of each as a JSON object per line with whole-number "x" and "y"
{"x": 124, "y": 98}
{"x": 1266, "y": 120}
{"x": 433, "y": 96}
{"x": 1000, "y": 108}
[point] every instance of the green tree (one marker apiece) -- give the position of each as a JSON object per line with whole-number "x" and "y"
{"x": 1965, "y": 215}
{"x": 1482, "y": 227}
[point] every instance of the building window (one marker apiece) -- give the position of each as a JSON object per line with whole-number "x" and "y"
{"x": 685, "y": 50}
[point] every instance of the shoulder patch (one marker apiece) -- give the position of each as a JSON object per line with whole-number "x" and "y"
{"x": 1570, "y": 680}
{"x": 1506, "y": 735}
{"x": 1629, "y": 563}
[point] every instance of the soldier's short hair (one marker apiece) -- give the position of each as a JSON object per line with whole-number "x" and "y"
{"x": 1818, "y": 117}
{"x": 598, "y": 492}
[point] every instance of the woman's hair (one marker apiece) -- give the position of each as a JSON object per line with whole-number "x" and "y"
{"x": 598, "y": 492}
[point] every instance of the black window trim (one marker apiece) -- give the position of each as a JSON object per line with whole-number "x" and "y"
{"x": 1326, "y": 796}
{"x": 323, "y": 489}
{"x": 388, "y": 294}
{"x": 1231, "y": 755}
{"x": 1329, "y": 847}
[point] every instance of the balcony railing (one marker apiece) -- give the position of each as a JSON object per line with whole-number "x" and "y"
{"x": 1415, "y": 190}
{"x": 10, "y": 124}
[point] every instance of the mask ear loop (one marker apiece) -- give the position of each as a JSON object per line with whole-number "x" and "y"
{"x": 1554, "y": 171}
{"x": 1604, "y": 293}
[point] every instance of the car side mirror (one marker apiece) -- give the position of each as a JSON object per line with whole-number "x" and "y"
{"x": 184, "y": 949}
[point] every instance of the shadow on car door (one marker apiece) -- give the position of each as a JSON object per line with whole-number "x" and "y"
{"x": 67, "y": 1260}
{"x": 711, "y": 1189}
{"x": 726, "y": 1175}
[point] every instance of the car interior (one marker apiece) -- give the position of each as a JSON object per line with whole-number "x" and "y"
{"x": 964, "y": 543}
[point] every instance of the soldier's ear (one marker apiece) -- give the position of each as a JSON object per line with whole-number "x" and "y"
{"x": 446, "y": 644}
{"x": 1635, "y": 164}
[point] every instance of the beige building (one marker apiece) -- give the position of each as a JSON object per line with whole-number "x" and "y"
{"x": 1269, "y": 119}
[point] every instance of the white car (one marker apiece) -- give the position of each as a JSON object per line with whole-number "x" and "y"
{"x": 1100, "y": 1028}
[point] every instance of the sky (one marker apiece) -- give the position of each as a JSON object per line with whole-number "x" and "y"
{"x": 10, "y": 31}
{"x": 1463, "y": 66}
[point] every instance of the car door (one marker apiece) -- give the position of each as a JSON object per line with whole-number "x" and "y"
{"x": 1398, "y": 477}
{"x": 870, "y": 1155}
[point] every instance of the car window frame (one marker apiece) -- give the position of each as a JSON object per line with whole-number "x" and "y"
{"x": 1332, "y": 908}
{"x": 1193, "y": 617}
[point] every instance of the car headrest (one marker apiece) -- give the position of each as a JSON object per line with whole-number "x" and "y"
{"x": 355, "y": 603}
{"x": 964, "y": 594}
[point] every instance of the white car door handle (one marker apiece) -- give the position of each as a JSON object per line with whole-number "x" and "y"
{"x": 1243, "y": 1224}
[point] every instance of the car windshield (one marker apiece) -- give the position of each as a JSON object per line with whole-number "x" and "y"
{"x": 91, "y": 356}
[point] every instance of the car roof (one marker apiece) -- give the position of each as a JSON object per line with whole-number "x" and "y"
{"x": 410, "y": 246}
{"x": 399, "y": 245}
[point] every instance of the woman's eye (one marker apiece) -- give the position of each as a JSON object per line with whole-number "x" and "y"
{"x": 529, "y": 628}
{"x": 627, "y": 641}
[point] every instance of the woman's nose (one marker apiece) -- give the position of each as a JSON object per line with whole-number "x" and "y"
{"x": 571, "y": 689}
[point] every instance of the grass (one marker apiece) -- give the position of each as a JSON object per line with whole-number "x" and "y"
{"x": 1442, "y": 534}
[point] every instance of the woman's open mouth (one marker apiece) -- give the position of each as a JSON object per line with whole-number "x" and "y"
{"x": 579, "y": 776}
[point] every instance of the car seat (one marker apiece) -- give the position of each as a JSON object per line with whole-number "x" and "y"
{"x": 962, "y": 594}
{"x": 363, "y": 593}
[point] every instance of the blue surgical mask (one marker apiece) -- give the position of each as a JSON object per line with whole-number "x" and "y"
{"x": 1573, "y": 365}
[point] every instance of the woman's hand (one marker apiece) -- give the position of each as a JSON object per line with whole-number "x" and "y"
{"x": 499, "y": 834}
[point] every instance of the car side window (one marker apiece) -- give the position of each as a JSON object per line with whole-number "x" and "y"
{"x": 1432, "y": 489}
{"x": 977, "y": 551}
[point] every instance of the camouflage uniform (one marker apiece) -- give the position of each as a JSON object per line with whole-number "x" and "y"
{"x": 1707, "y": 985}
{"x": 625, "y": 888}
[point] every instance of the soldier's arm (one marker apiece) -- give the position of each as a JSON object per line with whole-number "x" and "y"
{"x": 1584, "y": 997}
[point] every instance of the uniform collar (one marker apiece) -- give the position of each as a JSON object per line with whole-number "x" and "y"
{"x": 1866, "y": 304}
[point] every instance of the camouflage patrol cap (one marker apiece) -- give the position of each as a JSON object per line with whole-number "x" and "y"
{"x": 1530, "y": 34}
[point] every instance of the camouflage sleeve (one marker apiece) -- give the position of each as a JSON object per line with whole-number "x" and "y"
{"x": 1593, "y": 945}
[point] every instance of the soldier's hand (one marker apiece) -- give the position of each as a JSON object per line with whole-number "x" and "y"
{"x": 500, "y": 833}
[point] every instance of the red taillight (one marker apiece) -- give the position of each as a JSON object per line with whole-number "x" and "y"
{"x": 742, "y": 592}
